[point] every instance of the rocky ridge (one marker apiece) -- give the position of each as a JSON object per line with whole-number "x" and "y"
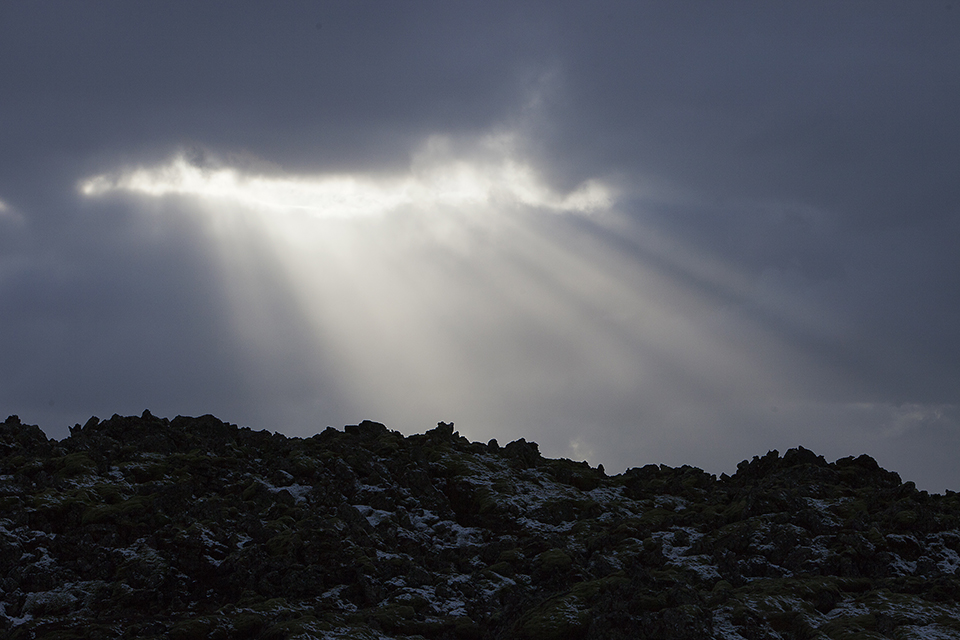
{"x": 193, "y": 528}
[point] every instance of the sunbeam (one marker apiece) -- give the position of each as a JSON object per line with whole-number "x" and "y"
{"x": 453, "y": 291}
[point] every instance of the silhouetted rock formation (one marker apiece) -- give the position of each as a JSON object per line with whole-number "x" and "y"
{"x": 192, "y": 528}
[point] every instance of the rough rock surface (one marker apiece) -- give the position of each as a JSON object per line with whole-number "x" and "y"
{"x": 193, "y": 528}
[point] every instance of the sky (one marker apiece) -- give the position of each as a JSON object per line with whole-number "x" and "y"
{"x": 632, "y": 232}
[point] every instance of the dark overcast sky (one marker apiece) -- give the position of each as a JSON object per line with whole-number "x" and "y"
{"x": 634, "y": 232}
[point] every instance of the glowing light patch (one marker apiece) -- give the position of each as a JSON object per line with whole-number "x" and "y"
{"x": 9, "y": 214}
{"x": 453, "y": 184}
{"x": 492, "y": 320}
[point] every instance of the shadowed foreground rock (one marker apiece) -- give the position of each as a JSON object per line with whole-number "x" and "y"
{"x": 192, "y": 528}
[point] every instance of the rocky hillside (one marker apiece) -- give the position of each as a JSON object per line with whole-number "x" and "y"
{"x": 192, "y": 528}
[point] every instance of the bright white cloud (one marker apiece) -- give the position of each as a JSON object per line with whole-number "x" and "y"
{"x": 436, "y": 181}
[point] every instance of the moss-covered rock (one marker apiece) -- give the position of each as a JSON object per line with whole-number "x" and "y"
{"x": 196, "y": 528}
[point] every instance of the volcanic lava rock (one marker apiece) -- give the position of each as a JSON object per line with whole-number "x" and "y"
{"x": 144, "y": 527}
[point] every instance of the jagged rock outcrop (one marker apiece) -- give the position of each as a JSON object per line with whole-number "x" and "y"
{"x": 193, "y": 528}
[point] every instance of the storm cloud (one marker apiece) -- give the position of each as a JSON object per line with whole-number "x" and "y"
{"x": 632, "y": 232}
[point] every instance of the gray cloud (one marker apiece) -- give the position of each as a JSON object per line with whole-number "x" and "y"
{"x": 778, "y": 269}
